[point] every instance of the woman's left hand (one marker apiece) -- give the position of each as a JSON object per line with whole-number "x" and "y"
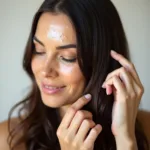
{"x": 127, "y": 88}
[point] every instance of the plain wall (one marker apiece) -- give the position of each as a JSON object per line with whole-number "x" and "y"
{"x": 15, "y": 22}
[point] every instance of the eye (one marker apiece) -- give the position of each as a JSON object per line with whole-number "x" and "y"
{"x": 38, "y": 53}
{"x": 69, "y": 60}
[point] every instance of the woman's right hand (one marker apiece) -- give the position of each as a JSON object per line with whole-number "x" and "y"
{"x": 75, "y": 125}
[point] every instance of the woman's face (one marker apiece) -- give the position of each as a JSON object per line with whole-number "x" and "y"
{"x": 54, "y": 62}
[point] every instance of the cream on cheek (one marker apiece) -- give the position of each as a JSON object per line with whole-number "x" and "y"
{"x": 73, "y": 78}
{"x": 71, "y": 73}
{"x": 66, "y": 69}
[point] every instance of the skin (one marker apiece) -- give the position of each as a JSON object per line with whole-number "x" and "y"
{"x": 127, "y": 88}
{"x": 53, "y": 31}
{"x": 49, "y": 66}
{"x": 124, "y": 83}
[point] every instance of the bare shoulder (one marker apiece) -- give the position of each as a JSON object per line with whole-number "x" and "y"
{"x": 144, "y": 118}
{"x": 4, "y": 133}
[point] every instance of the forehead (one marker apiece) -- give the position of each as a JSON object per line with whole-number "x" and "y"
{"x": 54, "y": 27}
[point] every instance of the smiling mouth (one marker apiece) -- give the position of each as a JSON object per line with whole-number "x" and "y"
{"x": 52, "y": 89}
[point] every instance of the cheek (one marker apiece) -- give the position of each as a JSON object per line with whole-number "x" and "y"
{"x": 67, "y": 70}
{"x": 72, "y": 73}
{"x": 35, "y": 65}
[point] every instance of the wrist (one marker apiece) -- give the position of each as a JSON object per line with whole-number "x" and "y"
{"x": 124, "y": 143}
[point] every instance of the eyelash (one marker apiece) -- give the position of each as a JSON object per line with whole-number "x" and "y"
{"x": 69, "y": 60}
{"x": 64, "y": 59}
{"x": 38, "y": 53}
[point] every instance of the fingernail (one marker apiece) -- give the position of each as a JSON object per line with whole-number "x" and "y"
{"x": 99, "y": 126}
{"x": 88, "y": 96}
{"x": 113, "y": 52}
{"x": 103, "y": 85}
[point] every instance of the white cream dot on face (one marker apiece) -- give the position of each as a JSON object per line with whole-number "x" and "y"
{"x": 66, "y": 69}
{"x": 56, "y": 32}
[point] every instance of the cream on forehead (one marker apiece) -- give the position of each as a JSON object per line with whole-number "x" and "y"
{"x": 56, "y": 32}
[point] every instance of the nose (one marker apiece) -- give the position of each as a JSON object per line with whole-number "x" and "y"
{"x": 49, "y": 69}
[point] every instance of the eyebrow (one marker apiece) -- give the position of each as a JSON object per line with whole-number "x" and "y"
{"x": 58, "y": 47}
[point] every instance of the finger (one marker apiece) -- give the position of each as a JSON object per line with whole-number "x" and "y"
{"x": 118, "y": 73}
{"x": 83, "y": 130}
{"x": 127, "y": 64}
{"x": 128, "y": 81}
{"x": 73, "y": 109}
{"x": 138, "y": 92}
{"x": 109, "y": 89}
{"x": 89, "y": 141}
{"x": 78, "y": 119}
{"x": 81, "y": 102}
{"x": 116, "y": 82}
{"x": 115, "y": 72}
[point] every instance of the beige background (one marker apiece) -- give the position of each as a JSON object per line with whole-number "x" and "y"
{"x": 15, "y": 23}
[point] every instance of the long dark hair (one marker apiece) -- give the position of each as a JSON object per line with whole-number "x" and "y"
{"x": 98, "y": 29}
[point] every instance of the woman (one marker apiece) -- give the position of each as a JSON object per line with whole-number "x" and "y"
{"x": 83, "y": 96}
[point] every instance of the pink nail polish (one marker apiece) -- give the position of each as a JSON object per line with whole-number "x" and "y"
{"x": 88, "y": 96}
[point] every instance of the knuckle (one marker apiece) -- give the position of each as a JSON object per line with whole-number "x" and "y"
{"x": 133, "y": 96}
{"x": 89, "y": 123}
{"x": 126, "y": 97}
{"x": 74, "y": 144}
{"x": 123, "y": 69}
{"x": 131, "y": 65}
{"x": 115, "y": 77}
{"x": 72, "y": 110}
{"x": 86, "y": 122}
{"x": 66, "y": 140}
{"x": 95, "y": 131}
{"x": 84, "y": 114}
{"x": 88, "y": 114}
{"x": 58, "y": 132}
{"x": 80, "y": 114}
{"x": 141, "y": 91}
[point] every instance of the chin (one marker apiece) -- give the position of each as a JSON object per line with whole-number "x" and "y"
{"x": 52, "y": 101}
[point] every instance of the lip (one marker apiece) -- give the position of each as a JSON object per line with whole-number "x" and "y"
{"x": 53, "y": 88}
